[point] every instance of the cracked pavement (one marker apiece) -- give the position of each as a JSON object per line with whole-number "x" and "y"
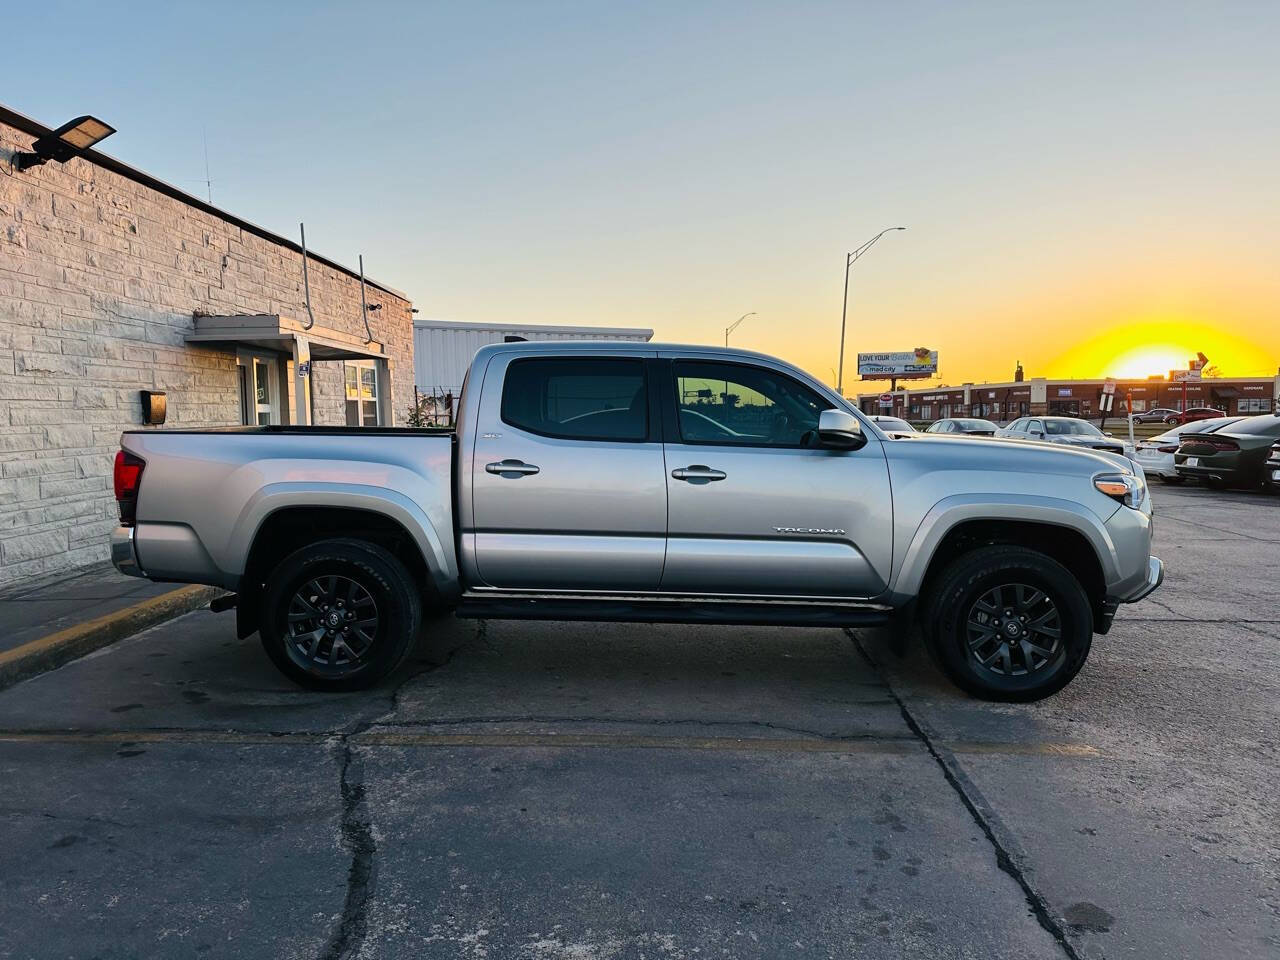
{"x": 614, "y": 790}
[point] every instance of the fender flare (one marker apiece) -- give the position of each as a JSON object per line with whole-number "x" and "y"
{"x": 393, "y": 505}
{"x": 944, "y": 516}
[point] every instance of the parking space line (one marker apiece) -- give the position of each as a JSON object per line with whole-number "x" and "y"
{"x": 417, "y": 738}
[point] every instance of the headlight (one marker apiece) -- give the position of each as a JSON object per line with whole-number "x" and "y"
{"x": 1128, "y": 489}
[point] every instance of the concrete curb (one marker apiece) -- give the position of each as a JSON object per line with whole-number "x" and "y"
{"x": 51, "y": 652}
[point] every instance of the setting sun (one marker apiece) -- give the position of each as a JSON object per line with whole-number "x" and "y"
{"x": 1154, "y": 347}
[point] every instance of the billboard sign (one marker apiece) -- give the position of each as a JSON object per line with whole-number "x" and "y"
{"x": 920, "y": 362}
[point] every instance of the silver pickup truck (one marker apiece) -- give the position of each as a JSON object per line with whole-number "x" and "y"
{"x": 641, "y": 482}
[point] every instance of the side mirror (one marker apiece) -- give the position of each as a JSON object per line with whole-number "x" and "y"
{"x": 1038, "y": 434}
{"x": 1108, "y": 434}
{"x": 840, "y": 429}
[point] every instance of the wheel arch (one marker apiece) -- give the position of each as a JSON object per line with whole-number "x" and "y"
{"x": 292, "y": 526}
{"x": 1063, "y": 530}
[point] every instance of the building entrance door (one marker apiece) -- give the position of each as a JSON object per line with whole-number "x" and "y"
{"x": 259, "y": 389}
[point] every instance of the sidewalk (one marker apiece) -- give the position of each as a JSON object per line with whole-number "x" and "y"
{"x": 45, "y": 625}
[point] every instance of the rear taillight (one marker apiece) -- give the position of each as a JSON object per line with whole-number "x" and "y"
{"x": 1168, "y": 448}
{"x": 1219, "y": 443}
{"x": 127, "y": 476}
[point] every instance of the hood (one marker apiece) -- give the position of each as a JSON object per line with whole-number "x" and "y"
{"x": 998, "y": 453}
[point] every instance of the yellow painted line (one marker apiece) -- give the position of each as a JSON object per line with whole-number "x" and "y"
{"x": 570, "y": 741}
{"x": 55, "y": 649}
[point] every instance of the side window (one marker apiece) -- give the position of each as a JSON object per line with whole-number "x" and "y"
{"x": 1018, "y": 426}
{"x": 731, "y": 403}
{"x": 588, "y": 398}
{"x": 1035, "y": 426}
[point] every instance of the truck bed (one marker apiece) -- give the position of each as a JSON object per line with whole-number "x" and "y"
{"x": 205, "y": 493}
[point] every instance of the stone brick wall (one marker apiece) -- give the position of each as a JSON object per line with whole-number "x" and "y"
{"x": 100, "y": 277}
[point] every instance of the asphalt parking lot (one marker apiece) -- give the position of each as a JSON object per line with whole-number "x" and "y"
{"x": 586, "y": 791}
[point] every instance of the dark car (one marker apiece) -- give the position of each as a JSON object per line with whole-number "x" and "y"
{"x": 892, "y": 424}
{"x": 1235, "y": 456}
{"x": 1272, "y": 467}
{"x": 1156, "y": 415}
{"x": 963, "y": 426}
{"x": 1064, "y": 430}
{"x": 1195, "y": 413}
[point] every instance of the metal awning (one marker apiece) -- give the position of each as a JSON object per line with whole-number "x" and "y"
{"x": 269, "y": 331}
{"x": 1225, "y": 393}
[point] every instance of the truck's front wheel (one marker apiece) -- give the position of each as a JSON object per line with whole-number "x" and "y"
{"x": 339, "y": 615}
{"x": 1010, "y": 624}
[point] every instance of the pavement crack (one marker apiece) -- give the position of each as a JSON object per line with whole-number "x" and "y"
{"x": 356, "y": 832}
{"x": 973, "y": 801}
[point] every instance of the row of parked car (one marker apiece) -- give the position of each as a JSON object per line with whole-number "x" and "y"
{"x": 1220, "y": 451}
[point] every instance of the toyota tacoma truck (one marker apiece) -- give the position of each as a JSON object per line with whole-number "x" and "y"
{"x": 642, "y": 482}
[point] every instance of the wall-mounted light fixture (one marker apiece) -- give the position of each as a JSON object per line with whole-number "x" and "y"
{"x": 71, "y": 139}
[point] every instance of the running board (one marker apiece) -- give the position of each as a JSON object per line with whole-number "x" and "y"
{"x": 624, "y": 609}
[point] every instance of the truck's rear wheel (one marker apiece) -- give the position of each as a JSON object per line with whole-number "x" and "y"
{"x": 339, "y": 615}
{"x": 1009, "y": 624}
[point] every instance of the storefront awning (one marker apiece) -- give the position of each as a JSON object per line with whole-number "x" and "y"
{"x": 1226, "y": 393}
{"x": 281, "y": 335}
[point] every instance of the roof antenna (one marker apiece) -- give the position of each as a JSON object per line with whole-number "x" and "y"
{"x": 364, "y": 305}
{"x": 306, "y": 286}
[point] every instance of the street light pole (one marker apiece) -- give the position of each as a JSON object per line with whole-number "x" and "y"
{"x": 734, "y": 326}
{"x": 849, "y": 261}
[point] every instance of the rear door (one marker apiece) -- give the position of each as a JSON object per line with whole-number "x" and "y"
{"x": 753, "y": 507}
{"x": 568, "y": 486}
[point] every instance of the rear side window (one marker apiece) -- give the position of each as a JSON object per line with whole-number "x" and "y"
{"x": 596, "y": 398}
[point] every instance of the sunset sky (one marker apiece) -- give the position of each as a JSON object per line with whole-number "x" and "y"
{"x": 1091, "y": 188}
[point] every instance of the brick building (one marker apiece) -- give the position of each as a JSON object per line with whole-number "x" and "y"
{"x": 112, "y": 283}
{"x": 1077, "y": 398}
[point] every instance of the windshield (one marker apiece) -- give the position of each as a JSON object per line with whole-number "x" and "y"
{"x": 976, "y": 424}
{"x": 893, "y": 423}
{"x": 1073, "y": 427}
{"x": 1267, "y": 424}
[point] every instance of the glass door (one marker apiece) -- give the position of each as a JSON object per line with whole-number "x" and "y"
{"x": 259, "y": 390}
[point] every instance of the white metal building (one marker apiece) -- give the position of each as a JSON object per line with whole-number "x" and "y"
{"x": 442, "y": 349}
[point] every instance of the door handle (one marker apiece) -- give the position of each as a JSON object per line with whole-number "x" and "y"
{"x": 698, "y": 473}
{"x": 510, "y": 469}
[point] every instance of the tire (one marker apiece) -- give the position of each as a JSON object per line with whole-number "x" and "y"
{"x": 1216, "y": 483}
{"x": 1044, "y": 598}
{"x": 1171, "y": 420}
{"x": 336, "y": 586}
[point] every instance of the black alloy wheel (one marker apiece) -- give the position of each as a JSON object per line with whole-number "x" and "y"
{"x": 340, "y": 614}
{"x": 333, "y": 624}
{"x": 1008, "y": 623}
{"x": 1014, "y": 629}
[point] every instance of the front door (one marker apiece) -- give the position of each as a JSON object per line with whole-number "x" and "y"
{"x": 754, "y": 506}
{"x": 568, "y": 486}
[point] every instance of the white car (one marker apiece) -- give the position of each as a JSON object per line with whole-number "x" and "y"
{"x": 1156, "y": 453}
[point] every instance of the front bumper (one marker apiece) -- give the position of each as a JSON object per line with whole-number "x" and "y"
{"x": 1155, "y": 577}
{"x": 124, "y": 554}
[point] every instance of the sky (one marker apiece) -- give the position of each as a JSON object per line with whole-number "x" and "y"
{"x": 1091, "y": 189}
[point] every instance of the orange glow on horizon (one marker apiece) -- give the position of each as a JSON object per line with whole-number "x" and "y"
{"x": 1154, "y": 347}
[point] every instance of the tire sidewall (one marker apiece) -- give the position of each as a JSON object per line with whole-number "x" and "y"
{"x": 373, "y": 568}
{"x": 974, "y": 575}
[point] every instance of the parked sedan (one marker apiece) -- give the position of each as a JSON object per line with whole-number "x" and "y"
{"x": 964, "y": 427}
{"x": 1196, "y": 413}
{"x": 1156, "y": 454}
{"x": 892, "y": 424}
{"x": 1064, "y": 430}
{"x": 1272, "y": 467}
{"x": 1156, "y": 415}
{"x": 1232, "y": 457}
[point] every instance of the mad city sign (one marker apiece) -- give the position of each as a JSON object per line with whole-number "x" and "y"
{"x": 920, "y": 362}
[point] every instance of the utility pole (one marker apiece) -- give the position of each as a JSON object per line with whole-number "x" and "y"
{"x": 734, "y": 326}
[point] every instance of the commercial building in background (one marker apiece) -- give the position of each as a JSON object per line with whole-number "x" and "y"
{"x": 443, "y": 349}
{"x": 121, "y": 295}
{"x": 1075, "y": 398}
